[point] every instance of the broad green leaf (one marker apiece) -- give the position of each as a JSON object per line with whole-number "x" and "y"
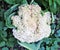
{"x": 4, "y": 34}
{"x": 5, "y": 48}
{"x": 55, "y": 6}
{"x": 24, "y": 2}
{"x": 2, "y": 43}
{"x": 1, "y": 33}
{"x": 50, "y": 2}
{"x": 16, "y": 1}
{"x": 10, "y": 44}
{"x": 56, "y": 42}
{"x": 5, "y": 28}
{"x": 8, "y": 14}
{"x": 12, "y": 39}
{"x": 58, "y": 1}
{"x": 47, "y": 48}
{"x": 8, "y": 21}
{"x": 58, "y": 31}
{"x": 54, "y": 47}
{"x": 32, "y": 46}
{"x": 48, "y": 40}
{"x": 10, "y": 1}
{"x": 42, "y": 48}
{"x": 9, "y": 11}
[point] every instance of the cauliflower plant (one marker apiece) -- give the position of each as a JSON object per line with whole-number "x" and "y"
{"x": 31, "y": 25}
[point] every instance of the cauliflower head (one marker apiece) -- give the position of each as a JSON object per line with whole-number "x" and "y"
{"x": 31, "y": 25}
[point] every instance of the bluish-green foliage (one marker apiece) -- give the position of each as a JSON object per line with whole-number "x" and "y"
{"x": 6, "y": 36}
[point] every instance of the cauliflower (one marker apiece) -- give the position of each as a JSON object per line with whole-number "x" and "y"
{"x": 31, "y": 25}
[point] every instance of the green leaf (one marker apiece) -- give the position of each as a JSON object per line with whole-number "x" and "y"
{"x": 4, "y": 34}
{"x": 45, "y": 4}
{"x": 10, "y": 1}
{"x": 5, "y": 28}
{"x": 32, "y": 46}
{"x": 2, "y": 43}
{"x": 42, "y": 48}
{"x": 8, "y": 21}
{"x": 24, "y": 2}
{"x": 2, "y": 12}
{"x": 12, "y": 39}
{"x": 57, "y": 34}
{"x": 8, "y": 14}
{"x": 53, "y": 26}
{"x": 10, "y": 44}
{"x": 9, "y": 11}
{"x": 5, "y": 48}
{"x": 55, "y": 6}
{"x": 50, "y": 2}
{"x": 35, "y": 3}
{"x": 53, "y": 18}
{"x": 1, "y": 25}
{"x": 58, "y": 1}
{"x": 16, "y": 1}
{"x": 48, "y": 40}
{"x": 54, "y": 47}
{"x": 47, "y": 48}
{"x": 56, "y": 42}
